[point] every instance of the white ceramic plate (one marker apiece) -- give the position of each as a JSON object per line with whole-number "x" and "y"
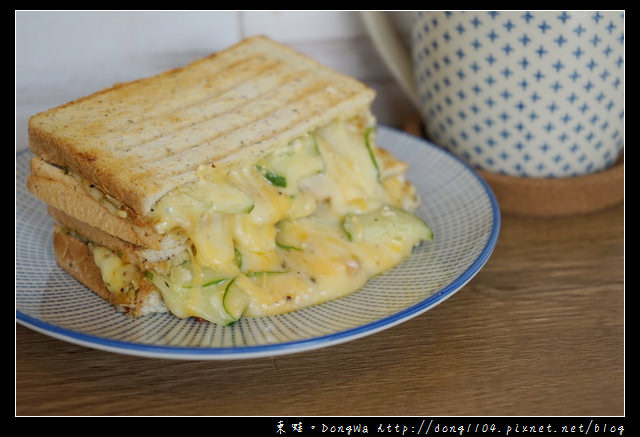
{"x": 456, "y": 203}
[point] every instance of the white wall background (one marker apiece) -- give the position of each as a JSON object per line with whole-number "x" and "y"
{"x": 64, "y": 55}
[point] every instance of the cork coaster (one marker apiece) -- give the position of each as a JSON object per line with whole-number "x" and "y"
{"x": 551, "y": 197}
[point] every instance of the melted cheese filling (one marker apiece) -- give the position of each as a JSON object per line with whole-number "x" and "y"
{"x": 118, "y": 276}
{"x": 284, "y": 233}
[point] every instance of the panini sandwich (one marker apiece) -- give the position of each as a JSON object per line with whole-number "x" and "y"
{"x": 246, "y": 183}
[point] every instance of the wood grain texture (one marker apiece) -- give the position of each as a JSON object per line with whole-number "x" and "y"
{"x": 539, "y": 331}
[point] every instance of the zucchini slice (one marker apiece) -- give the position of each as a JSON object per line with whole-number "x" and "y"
{"x": 387, "y": 222}
{"x": 235, "y": 300}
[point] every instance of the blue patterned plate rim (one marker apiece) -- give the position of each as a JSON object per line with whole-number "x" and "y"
{"x": 255, "y": 351}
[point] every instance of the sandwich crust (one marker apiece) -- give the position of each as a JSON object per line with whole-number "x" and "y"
{"x": 137, "y": 141}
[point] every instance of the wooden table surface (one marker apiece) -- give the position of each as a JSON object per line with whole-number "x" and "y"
{"x": 538, "y": 331}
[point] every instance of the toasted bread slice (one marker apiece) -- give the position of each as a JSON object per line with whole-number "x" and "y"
{"x": 139, "y": 140}
{"x": 65, "y": 193}
{"x": 74, "y": 256}
{"x": 144, "y": 258}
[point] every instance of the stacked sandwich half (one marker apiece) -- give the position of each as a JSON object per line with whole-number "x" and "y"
{"x": 246, "y": 183}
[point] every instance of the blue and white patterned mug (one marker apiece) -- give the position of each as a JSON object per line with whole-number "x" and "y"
{"x": 535, "y": 94}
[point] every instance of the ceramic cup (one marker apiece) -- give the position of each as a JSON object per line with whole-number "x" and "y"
{"x": 534, "y": 94}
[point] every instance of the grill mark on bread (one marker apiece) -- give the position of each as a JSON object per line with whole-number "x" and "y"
{"x": 142, "y": 132}
{"x": 142, "y": 99}
{"x": 226, "y": 119}
{"x": 240, "y": 70}
{"x": 226, "y": 123}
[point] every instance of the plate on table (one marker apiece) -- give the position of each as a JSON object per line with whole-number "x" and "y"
{"x": 456, "y": 203}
